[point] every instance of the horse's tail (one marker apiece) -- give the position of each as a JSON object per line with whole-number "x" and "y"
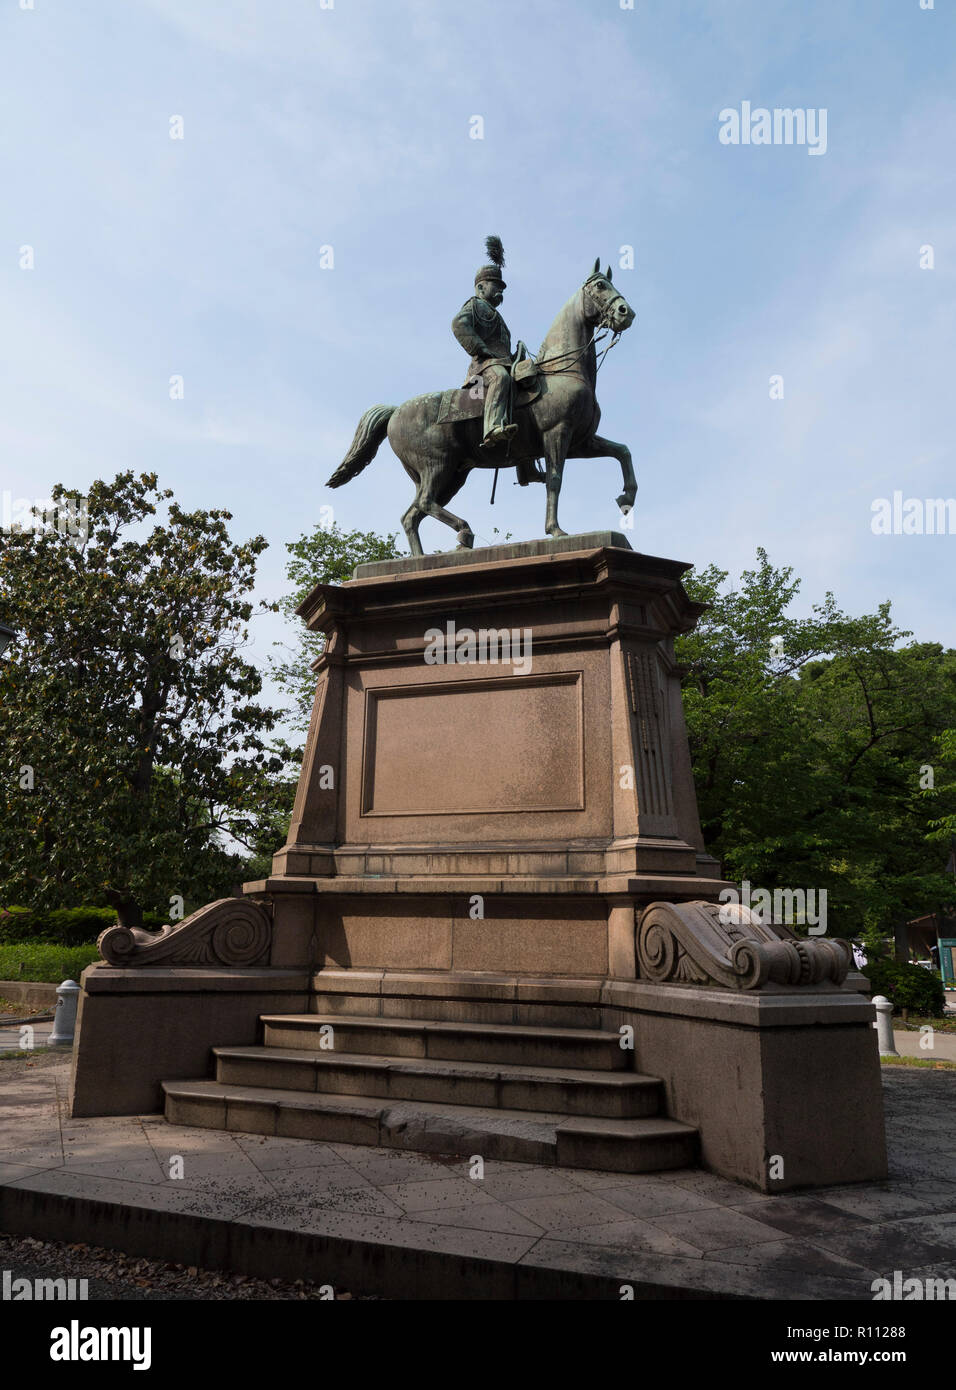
{"x": 371, "y": 431}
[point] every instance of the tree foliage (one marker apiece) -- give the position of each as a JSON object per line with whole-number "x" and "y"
{"x": 129, "y": 726}
{"x": 810, "y": 739}
{"x": 324, "y": 555}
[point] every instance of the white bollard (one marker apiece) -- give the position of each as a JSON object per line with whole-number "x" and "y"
{"x": 884, "y": 1026}
{"x": 64, "y": 1020}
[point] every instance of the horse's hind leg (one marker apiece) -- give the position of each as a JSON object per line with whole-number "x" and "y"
{"x": 445, "y": 486}
{"x": 413, "y": 517}
{"x": 434, "y": 488}
{"x": 410, "y": 524}
{"x": 466, "y": 537}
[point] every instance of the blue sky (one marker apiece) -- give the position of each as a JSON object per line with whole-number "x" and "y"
{"x": 306, "y": 126}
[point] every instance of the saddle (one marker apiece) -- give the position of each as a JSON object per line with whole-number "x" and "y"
{"x": 468, "y": 402}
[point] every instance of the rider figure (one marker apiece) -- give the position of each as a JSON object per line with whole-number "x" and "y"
{"x": 484, "y": 334}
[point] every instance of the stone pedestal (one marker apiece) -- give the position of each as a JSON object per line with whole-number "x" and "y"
{"x": 497, "y": 771}
{"x": 496, "y": 895}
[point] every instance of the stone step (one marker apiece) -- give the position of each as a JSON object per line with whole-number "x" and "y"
{"x": 525, "y": 1044}
{"x": 626, "y": 1146}
{"x": 472, "y": 1010}
{"x": 522, "y": 1136}
{"x": 570, "y": 1091}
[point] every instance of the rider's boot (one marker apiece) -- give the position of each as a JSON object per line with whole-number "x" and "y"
{"x": 500, "y": 435}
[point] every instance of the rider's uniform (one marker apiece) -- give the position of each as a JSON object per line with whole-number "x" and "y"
{"x": 484, "y": 335}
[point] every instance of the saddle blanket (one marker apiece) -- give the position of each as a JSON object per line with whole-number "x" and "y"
{"x": 464, "y": 403}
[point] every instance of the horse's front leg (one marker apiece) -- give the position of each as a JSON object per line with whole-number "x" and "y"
{"x": 556, "y": 443}
{"x": 599, "y": 447}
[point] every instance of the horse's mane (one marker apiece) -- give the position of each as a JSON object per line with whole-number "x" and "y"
{"x": 558, "y": 321}
{"x": 558, "y": 328}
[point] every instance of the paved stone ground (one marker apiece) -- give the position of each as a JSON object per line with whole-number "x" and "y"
{"x": 943, "y": 1049}
{"x": 10, "y": 1037}
{"x": 686, "y": 1229}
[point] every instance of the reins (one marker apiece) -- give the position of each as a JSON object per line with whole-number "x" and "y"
{"x": 545, "y": 369}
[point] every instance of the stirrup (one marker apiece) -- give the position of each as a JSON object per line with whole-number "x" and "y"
{"x": 501, "y": 435}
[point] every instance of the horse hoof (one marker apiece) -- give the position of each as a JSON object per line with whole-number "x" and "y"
{"x": 466, "y": 541}
{"x": 624, "y": 502}
{"x": 556, "y": 533}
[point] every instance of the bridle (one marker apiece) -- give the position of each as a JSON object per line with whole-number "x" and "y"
{"x": 605, "y": 313}
{"x": 604, "y": 321}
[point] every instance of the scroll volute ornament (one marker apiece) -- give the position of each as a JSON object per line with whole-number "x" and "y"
{"x": 230, "y": 932}
{"x": 727, "y": 944}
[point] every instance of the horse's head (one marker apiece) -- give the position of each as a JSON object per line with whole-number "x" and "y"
{"x": 603, "y": 304}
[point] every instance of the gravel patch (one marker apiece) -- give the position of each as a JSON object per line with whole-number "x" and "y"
{"x": 130, "y": 1278}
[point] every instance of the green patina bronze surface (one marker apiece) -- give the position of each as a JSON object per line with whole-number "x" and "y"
{"x": 488, "y": 423}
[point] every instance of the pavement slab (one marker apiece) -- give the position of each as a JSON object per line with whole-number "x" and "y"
{"x": 875, "y": 1201}
{"x": 506, "y": 1182}
{"x": 207, "y": 1169}
{"x": 797, "y": 1256}
{"x": 650, "y": 1198}
{"x": 300, "y": 1181}
{"x": 412, "y": 1225}
{"x": 558, "y": 1214}
{"x": 437, "y": 1193}
{"x": 270, "y": 1155}
{"x": 714, "y": 1228}
{"x": 887, "y": 1245}
{"x": 629, "y": 1235}
{"x": 802, "y": 1216}
{"x": 12, "y": 1172}
{"x": 480, "y": 1216}
{"x": 719, "y": 1190}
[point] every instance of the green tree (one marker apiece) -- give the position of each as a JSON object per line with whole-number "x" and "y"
{"x": 133, "y": 744}
{"x": 324, "y": 555}
{"x": 273, "y": 813}
{"x": 938, "y": 783}
{"x": 808, "y": 737}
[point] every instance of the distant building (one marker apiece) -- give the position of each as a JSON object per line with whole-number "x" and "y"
{"x": 930, "y": 938}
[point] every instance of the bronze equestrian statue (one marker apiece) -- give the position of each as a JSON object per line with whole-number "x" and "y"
{"x": 440, "y": 437}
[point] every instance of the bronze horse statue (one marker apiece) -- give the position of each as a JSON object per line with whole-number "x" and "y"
{"x": 557, "y": 418}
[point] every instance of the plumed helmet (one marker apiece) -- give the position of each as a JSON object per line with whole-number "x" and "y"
{"x": 496, "y": 255}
